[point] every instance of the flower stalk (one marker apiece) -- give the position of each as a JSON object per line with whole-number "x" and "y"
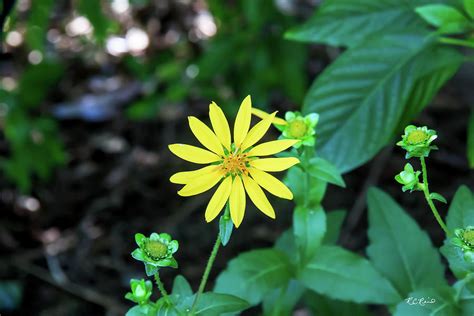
{"x": 428, "y": 198}
{"x": 162, "y": 289}
{"x": 207, "y": 271}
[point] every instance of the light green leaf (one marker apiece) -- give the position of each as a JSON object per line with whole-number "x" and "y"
{"x": 326, "y": 171}
{"x": 470, "y": 135}
{"x": 461, "y": 210}
{"x": 323, "y": 305}
{"x": 334, "y": 224}
{"x": 372, "y": 87}
{"x": 335, "y": 21}
{"x": 225, "y": 226}
{"x": 448, "y": 19}
{"x": 254, "y": 274}
{"x": 428, "y": 302}
{"x": 92, "y": 10}
{"x": 215, "y": 304}
{"x": 408, "y": 265}
{"x": 308, "y": 191}
{"x": 38, "y": 22}
{"x": 344, "y": 275}
{"x": 469, "y": 7}
{"x": 438, "y": 197}
{"x": 309, "y": 227}
{"x": 181, "y": 287}
{"x": 283, "y": 300}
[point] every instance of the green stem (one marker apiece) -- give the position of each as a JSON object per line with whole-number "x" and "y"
{"x": 205, "y": 276}
{"x": 456, "y": 41}
{"x": 426, "y": 191}
{"x": 162, "y": 288}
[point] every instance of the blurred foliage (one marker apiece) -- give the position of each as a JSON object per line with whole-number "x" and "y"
{"x": 10, "y": 295}
{"x": 246, "y": 55}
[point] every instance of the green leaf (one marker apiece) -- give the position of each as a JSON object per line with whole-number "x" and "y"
{"x": 181, "y": 287}
{"x": 37, "y": 26}
{"x": 225, "y": 226}
{"x": 448, "y": 19}
{"x": 215, "y": 304}
{"x": 326, "y": 171}
{"x": 461, "y": 210}
{"x": 92, "y": 10}
{"x": 335, "y": 21}
{"x": 286, "y": 244}
{"x": 409, "y": 265}
{"x": 344, "y": 275}
{"x": 375, "y": 85}
{"x": 10, "y": 295}
{"x": 430, "y": 302}
{"x": 457, "y": 264}
{"x": 470, "y": 136}
{"x": 469, "y": 7}
{"x": 323, "y": 305}
{"x": 283, "y": 300}
{"x": 254, "y": 274}
{"x": 309, "y": 227}
{"x": 334, "y": 224}
{"x": 438, "y": 197}
{"x": 307, "y": 191}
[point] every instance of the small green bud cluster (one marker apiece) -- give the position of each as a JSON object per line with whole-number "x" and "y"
{"x": 155, "y": 251}
{"x": 300, "y": 127}
{"x": 141, "y": 291}
{"x": 464, "y": 239}
{"x": 417, "y": 141}
{"x": 409, "y": 178}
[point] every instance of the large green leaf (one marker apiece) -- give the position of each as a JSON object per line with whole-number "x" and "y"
{"x": 323, "y": 305}
{"x": 215, "y": 304}
{"x": 368, "y": 90}
{"x": 334, "y": 224}
{"x": 308, "y": 191}
{"x": 281, "y": 301}
{"x": 347, "y": 22}
{"x": 344, "y": 275}
{"x": 309, "y": 227}
{"x": 461, "y": 210}
{"x": 408, "y": 265}
{"x": 429, "y": 302}
{"x": 253, "y": 274}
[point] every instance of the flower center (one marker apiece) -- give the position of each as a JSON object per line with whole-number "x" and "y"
{"x": 235, "y": 164}
{"x": 155, "y": 249}
{"x": 417, "y": 137}
{"x": 468, "y": 237}
{"x": 297, "y": 129}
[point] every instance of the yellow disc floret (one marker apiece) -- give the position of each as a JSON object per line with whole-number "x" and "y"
{"x": 155, "y": 249}
{"x": 417, "y": 136}
{"x": 235, "y": 164}
{"x": 468, "y": 237}
{"x": 298, "y": 128}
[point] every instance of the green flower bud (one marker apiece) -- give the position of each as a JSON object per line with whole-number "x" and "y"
{"x": 464, "y": 239}
{"x": 409, "y": 179}
{"x": 300, "y": 127}
{"x": 141, "y": 291}
{"x": 417, "y": 141}
{"x": 155, "y": 252}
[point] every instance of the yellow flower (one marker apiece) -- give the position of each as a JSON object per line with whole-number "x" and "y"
{"x": 235, "y": 165}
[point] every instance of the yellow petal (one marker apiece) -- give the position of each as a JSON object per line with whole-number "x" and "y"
{"x": 261, "y": 114}
{"x": 237, "y": 202}
{"x": 193, "y": 153}
{"x": 220, "y": 124}
{"x": 274, "y": 164}
{"x": 187, "y": 176}
{"x": 258, "y": 197}
{"x": 271, "y": 184}
{"x": 219, "y": 199}
{"x": 205, "y": 135}
{"x": 242, "y": 121}
{"x": 257, "y": 132}
{"x": 202, "y": 184}
{"x": 273, "y": 147}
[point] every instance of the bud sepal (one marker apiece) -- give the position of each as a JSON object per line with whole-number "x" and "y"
{"x": 409, "y": 178}
{"x": 417, "y": 141}
{"x": 155, "y": 251}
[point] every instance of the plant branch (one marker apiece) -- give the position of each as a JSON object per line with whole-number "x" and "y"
{"x": 426, "y": 191}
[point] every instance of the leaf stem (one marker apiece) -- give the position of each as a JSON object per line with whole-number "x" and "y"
{"x": 456, "y": 41}
{"x": 162, "y": 288}
{"x": 205, "y": 276}
{"x": 426, "y": 191}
